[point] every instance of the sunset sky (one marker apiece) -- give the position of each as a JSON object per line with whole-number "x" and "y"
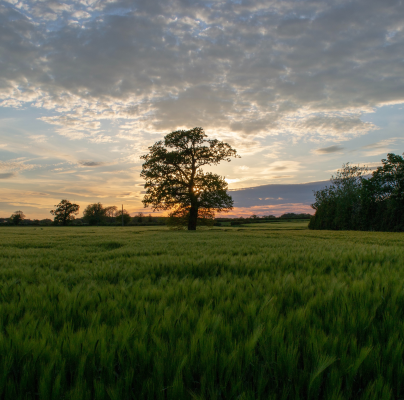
{"x": 297, "y": 87}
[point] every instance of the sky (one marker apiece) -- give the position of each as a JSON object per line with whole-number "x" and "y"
{"x": 297, "y": 87}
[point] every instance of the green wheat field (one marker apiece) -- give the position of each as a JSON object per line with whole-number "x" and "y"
{"x": 265, "y": 311}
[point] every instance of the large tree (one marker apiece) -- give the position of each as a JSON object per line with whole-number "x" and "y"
{"x": 65, "y": 212}
{"x": 175, "y": 179}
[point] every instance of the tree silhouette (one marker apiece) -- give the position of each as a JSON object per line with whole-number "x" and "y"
{"x": 111, "y": 211}
{"x": 65, "y": 212}
{"x": 139, "y": 217}
{"x": 17, "y": 217}
{"x": 175, "y": 179}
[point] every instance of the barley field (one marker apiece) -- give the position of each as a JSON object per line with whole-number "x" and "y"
{"x": 266, "y": 311}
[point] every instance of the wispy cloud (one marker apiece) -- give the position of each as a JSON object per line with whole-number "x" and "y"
{"x": 15, "y": 165}
{"x": 92, "y": 163}
{"x": 380, "y": 147}
{"x": 7, "y": 175}
{"x": 381, "y": 144}
{"x": 329, "y": 149}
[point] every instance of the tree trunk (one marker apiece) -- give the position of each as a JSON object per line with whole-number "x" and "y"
{"x": 193, "y": 217}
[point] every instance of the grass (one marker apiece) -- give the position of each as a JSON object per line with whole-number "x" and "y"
{"x": 272, "y": 311}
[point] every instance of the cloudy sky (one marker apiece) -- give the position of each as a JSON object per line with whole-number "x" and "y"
{"x": 297, "y": 87}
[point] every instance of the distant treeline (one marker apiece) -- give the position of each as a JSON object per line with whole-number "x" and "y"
{"x": 356, "y": 200}
{"x": 137, "y": 220}
{"x": 97, "y": 214}
{"x": 254, "y": 219}
{"x": 94, "y": 214}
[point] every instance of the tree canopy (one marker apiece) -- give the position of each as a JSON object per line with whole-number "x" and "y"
{"x": 126, "y": 217}
{"x": 175, "y": 178}
{"x": 94, "y": 214}
{"x": 65, "y": 212}
{"x": 355, "y": 200}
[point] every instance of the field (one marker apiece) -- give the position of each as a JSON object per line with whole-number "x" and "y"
{"x": 266, "y": 311}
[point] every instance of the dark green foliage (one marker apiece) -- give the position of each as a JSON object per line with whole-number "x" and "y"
{"x": 139, "y": 217}
{"x": 126, "y": 217}
{"x": 221, "y": 314}
{"x": 356, "y": 202}
{"x": 65, "y": 212}
{"x": 175, "y": 179}
{"x": 95, "y": 214}
{"x": 264, "y": 220}
{"x": 295, "y": 216}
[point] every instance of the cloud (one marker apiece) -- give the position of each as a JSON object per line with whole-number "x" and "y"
{"x": 81, "y": 14}
{"x": 341, "y": 125}
{"x": 38, "y": 138}
{"x": 380, "y": 147}
{"x": 91, "y": 163}
{"x": 251, "y": 69}
{"x": 7, "y": 175}
{"x": 16, "y": 165}
{"x": 381, "y": 144}
{"x": 328, "y": 150}
{"x": 281, "y": 166}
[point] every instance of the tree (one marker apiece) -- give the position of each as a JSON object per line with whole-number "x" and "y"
{"x": 175, "y": 179}
{"x": 389, "y": 178}
{"x": 339, "y": 206}
{"x": 139, "y": 217}
{"x": 126, "y": 217}
{"x": 17, "y": 217}
{"x": 384, "y": 195}
{"x": 94, "y": 214}
{"x": 111, "y": 211}
{"x": 65, "y": 212}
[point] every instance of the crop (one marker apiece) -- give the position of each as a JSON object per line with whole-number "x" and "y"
{"x": 272, "y": 311}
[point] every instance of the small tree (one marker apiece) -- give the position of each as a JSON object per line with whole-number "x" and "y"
{"x": 94, "y": 214}
{"x": 126, "y": 217}
{"x": 111, "y": 211}
{"x": 139, "y": 217}
{"x": 65, "y": 212}
{"x": 175, "y": 179}
{"x": 17, "y": 217}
